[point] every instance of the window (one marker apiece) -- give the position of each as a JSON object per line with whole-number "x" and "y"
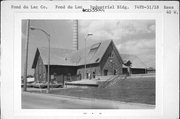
{"x": 105, "y": 72}
{"x": 79, "y": 76}
{"x": 87, "y": 75}
{"x": 94, "y": 74}
{"x": 40, "y": 76}
{"x": 44, "y": 75}
{"x": 97, "y": 59}
{"x": 95, "y": 46}
{"x": 110, "y": 55}
{"x": 115, "y": 72}
{"x": 93, "y": 50}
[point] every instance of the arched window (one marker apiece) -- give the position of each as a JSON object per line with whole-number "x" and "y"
{"x": 115, "y": 71}
{"x": 105, "y": 72}
{"x": 94, "y": 75}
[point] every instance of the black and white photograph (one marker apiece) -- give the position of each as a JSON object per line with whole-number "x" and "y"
{"x": 88, "y": 64}
{"x": 89, "y": 60}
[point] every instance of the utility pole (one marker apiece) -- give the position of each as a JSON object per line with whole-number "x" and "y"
{"x": 85, "y": 54}
{"x": 48, "y": 90}
{"x": 26, "y": 57}
{"x": 48, "y": 37}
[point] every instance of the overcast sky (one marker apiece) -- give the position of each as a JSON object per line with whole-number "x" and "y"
{"x": 130, "y": 36}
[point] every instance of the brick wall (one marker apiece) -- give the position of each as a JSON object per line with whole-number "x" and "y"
{"x": 111, "y": 63}
{"x": 40, "y": 71}
{"x": 91, "y": 69}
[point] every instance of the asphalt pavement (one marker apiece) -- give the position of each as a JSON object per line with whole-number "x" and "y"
{"x": 50, "y": 101}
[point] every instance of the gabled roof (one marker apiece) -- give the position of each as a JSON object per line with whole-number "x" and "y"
{"x": 136, "y": 62}
{"x": 67, "y": 57}
{"x": 58, "y": 56}
{"x": 94, "y": 53}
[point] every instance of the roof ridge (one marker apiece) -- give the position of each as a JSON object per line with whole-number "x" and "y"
{"x": 54, "y": 48}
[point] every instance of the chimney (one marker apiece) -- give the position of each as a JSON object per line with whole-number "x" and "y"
{"x": 75, "y": 34}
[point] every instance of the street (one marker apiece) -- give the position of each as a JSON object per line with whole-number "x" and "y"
{"x": 49, "y": 101}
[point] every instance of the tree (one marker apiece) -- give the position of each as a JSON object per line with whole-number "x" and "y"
{"x": 128, "y": 64}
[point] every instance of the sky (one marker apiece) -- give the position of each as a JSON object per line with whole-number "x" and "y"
{"x": 135, "y": 37}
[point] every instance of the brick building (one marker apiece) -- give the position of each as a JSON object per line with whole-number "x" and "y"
{"x": 137, "y": 66}
{"x": 99, "y": 59}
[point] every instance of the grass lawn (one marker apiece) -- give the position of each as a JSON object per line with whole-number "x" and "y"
{"x": 137, "y": 90}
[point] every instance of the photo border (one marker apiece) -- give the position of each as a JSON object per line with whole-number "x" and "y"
{"x": 167, "y": 57}
{"x": 76, "y": 112}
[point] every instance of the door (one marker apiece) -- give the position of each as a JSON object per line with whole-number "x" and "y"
{"x": 105, "y": 72}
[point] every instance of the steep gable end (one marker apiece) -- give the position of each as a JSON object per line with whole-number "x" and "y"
{"x": 36, "y": 57}
{"x": 111, "y": 47}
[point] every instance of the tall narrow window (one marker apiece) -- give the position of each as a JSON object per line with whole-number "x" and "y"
{"x": 105, "y": 72}
{"x": 115, "y": 72}
{"x": 87, "y": 75}
{"x": 94, "y": 75}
